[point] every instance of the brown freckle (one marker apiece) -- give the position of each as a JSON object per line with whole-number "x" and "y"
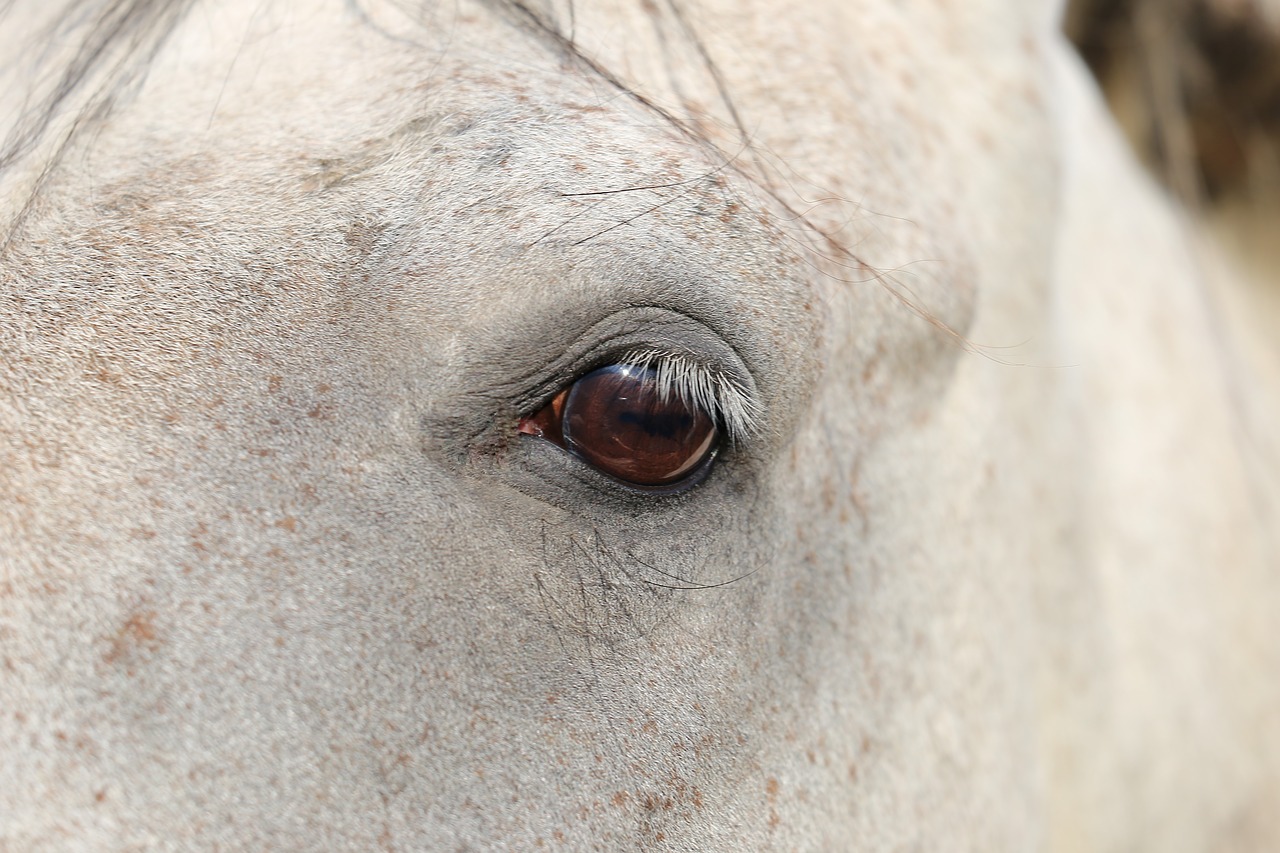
{"x": 288, "y": 523}
{"x": 771, "y": 788}
{"x": 853, "y": 772}
{"x": 274, "y": 384}
{"x": 773, "y": 819}
{"x": 279, "y": 641}
{"x": 107, "y": 377}
{"x": 137, "y": 632}
{"x": 99, "y": 796}
{"x": 261, "y": 451}
{"x": 621, "y": 799}
{"x": 324, "y": 388}
{"x": 558, "y": 836}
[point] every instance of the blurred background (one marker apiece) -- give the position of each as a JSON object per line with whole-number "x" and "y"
{"x": 1195, "y": 84}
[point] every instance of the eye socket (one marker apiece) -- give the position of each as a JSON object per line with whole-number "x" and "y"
{"x": 617, "y": 420}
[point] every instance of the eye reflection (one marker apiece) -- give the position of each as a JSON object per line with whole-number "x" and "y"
{"x": 616, "y": 420}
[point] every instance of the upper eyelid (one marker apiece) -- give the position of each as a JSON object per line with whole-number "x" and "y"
{"x": 651, "y": 334}
{"x": 524, "y": 360}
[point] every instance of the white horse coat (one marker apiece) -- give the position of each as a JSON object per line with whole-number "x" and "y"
{"x": 995, "y": 570}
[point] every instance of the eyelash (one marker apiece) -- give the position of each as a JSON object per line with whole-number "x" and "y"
{"x": 695, "y": 384}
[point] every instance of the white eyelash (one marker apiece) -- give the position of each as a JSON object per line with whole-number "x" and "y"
{"x": 696, "y": 384}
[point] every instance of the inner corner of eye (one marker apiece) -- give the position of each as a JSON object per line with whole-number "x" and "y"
{"x": 546, "y": 422}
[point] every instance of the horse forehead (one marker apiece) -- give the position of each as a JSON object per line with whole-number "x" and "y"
{"x": 254, "y": 77}
{"x": 260, "y": 98}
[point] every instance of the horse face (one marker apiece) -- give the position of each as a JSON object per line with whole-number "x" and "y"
{"x": 291, "y": 568}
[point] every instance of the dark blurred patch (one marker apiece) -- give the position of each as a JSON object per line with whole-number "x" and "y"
{"x": 1196, "y": 84}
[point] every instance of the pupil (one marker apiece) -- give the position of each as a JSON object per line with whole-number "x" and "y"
{"x": 668, "y": 425}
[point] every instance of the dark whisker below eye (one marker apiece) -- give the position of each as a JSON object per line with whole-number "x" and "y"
{"x": 687, "y": 584}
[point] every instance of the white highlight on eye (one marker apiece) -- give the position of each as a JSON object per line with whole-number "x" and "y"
{"x": 698, "y": 385}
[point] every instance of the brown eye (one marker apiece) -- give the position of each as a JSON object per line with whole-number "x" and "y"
{"x": 616, "y": 420}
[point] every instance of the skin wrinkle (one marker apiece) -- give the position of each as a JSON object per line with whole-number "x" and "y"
{"x": 279, "y": 571}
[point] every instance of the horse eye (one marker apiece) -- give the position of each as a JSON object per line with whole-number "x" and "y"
{"x": 616, "y": 420}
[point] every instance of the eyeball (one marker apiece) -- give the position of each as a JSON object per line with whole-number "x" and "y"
{"x": 618, "y": 420}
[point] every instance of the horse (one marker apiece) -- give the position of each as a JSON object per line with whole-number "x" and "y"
{"x": 646, "y": 424}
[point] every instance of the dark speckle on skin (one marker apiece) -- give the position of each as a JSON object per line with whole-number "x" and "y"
{"x": 138, "y": 633}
